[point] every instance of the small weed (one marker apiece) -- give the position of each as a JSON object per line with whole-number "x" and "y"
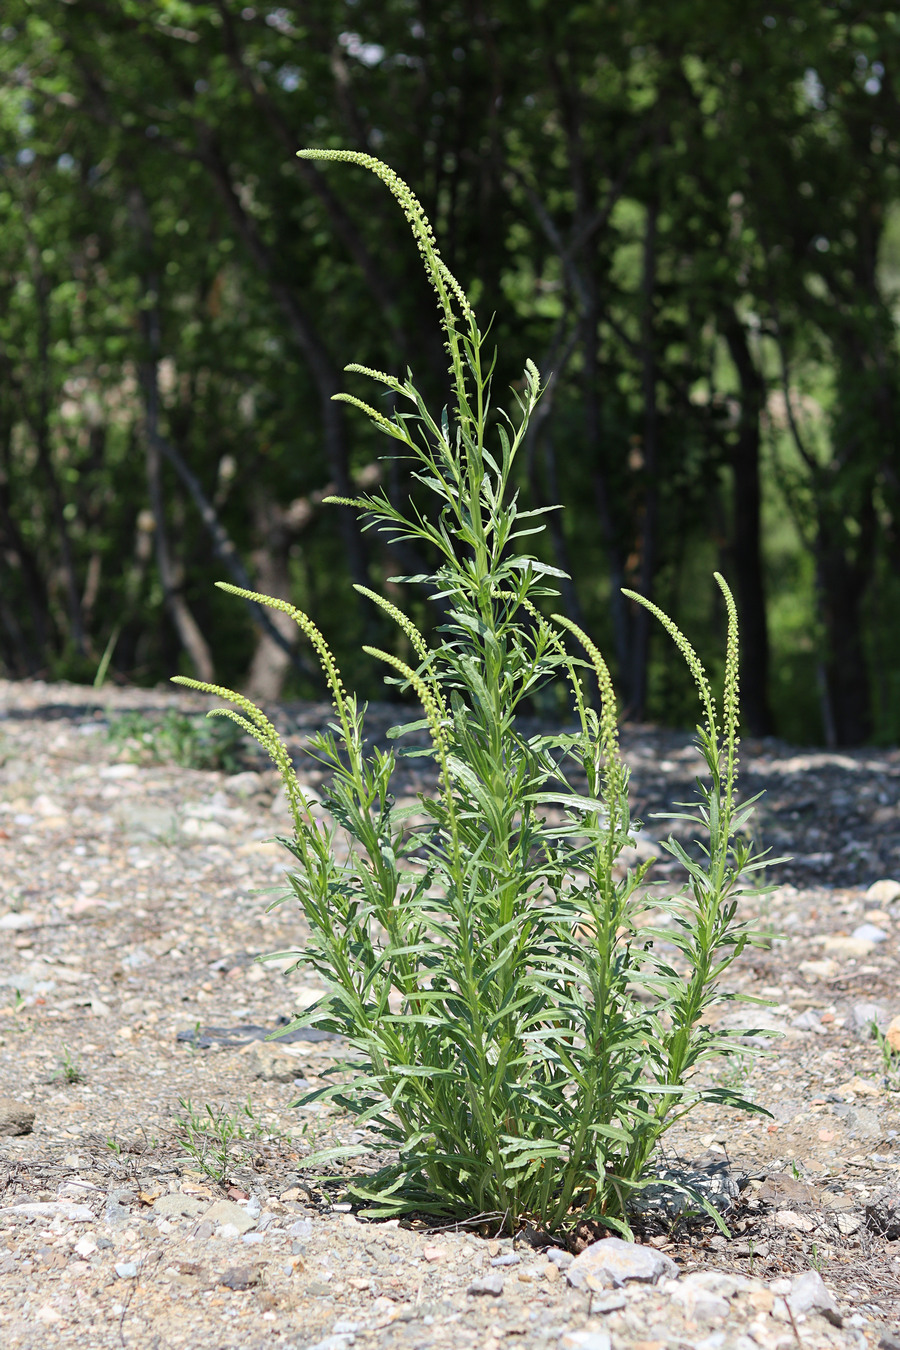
{"x": 219, "y": 1141}
{"x": 191, "y": 1046}
{"x": 113, "y": 1145}
{"x": 70, "y": 1070}
{"x": 815, "y": 1258}
{"x": 890, "y": 1059}
{"x": 176, "y": 738}
{"x": 736, "y": 1072}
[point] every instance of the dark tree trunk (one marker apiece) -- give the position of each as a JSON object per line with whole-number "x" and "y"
{"x": 36, "y": 653}
{"x": 189, "y": 634}
{"x": 842, "y": 584}
{"x": 40, "y": 425}
{"x": 746, "y": 541}
{"x": 640, "y": 649}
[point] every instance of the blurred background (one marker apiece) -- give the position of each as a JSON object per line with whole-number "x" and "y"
{"x": 687, "y": 212}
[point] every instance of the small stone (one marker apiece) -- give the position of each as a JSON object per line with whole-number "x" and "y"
{"x": 862, "y": 1015}
{"x": 862, "y": 1123}
{"x": 272, "y": 1063}
{"x": 889, "y": 1340}
{"x": 869, "y": 932}
{"x": 190, "y": 1187}
{"x": 127, "y": 1270}
{"x": 244, "y": 784}
{"x": 50, "y": 810}
{"x": 48, "y": 1314}
{"x": 789, "y": 1218}
{"x": 226, "y": 1214}
{"x": 883, "y": 892}
{"x": 883, "y": 1214}
{"x": 114, "y": 771}
{"x": 861, "y": 1087}
{"x": 611, "y": 1262}
{"x": 809, "y": 1294}
{"x": 118, "y": 1207}
{"x": 608, "y": 1303}
{"x": 15, "y": 1117}
{"x": 435, "y": 1251}
{"x": 52, "y": 1209}
{"x": 562, "y": 1260}
{"x": 318, "y": 1289}
{"x": 892, "y": 1035}
{"x": 507, "y": 1259}
{"x": 178, "y": 1206}
{"x": 848, "y": 948}
{"x": 584, "y": 1340}
{"x": 848, "y": 1223}
{"x": 715, "y": 1282}
{"x": 206, "y": 831}
{"x": 19, "y": 922}
{"x": 487, "y": 1284}
{"x": 301, "y": 1229}
{"x": 700, "y": 1302}
{"x": 818, "y": 970}
{"x": 879, "y": 916}
{"x": 240, "y": 1277}
{"x": 809, "y": 1021}
{"x": 85, "y": 1247}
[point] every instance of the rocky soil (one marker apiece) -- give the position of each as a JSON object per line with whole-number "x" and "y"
{"x": 130, "y": 997}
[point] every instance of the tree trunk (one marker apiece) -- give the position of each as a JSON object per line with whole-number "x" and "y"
{"x": 35, "y": 654}
{"x": 640, "y": 638}
{"x": 747, "y": 546}
{"x": 40, "y": 425}
{"x": 186, "y": 626}
{"x": 842, "y": 586}
{"x": 271, "y": 564}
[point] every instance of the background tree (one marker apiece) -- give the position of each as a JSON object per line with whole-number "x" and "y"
{"x": 688, "y": 217}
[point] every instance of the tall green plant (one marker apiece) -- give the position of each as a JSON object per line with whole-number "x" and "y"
{"x": 519, "y": 1041}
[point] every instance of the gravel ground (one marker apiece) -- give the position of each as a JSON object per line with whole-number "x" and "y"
{"x": 130, "y": 912}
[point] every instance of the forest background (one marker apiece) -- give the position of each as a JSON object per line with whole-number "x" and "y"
{"x": 687, "y": 212}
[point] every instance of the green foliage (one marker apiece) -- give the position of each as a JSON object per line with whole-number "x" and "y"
{"x": 177, "y": 738}
{"x": 70, "y": 1069}
{"x": 522, "y": 1034}
{"x": 667, "y": 186}
{"x": 219, "y": 1141}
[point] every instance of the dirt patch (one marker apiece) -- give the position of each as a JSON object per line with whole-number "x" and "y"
{"x": 130, "y": 996}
